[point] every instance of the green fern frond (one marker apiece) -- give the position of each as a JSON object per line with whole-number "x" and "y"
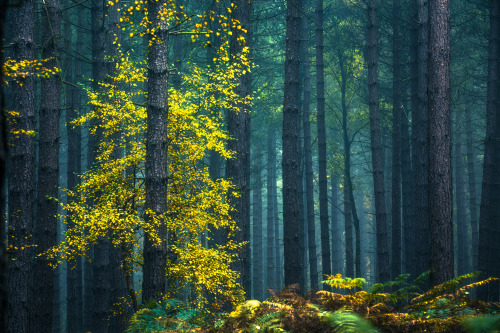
{"x": 346, "y": 322}
{"x": 483, "y": 324}
{"x": 339, "y": 282}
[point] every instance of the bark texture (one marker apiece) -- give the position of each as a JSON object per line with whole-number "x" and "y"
{"x": 440, "y": 197}
{"x": 383, "y": 266}
{"x": 257, "y": 278}
{"x": 238, "y": 126}
{"x": 489, "y": 230}
{"x": 21, "y": 157}
{"x": 290, "y": 161}
{"x": 154, "y": 270}
{"x": 397, "y": 110}
{"x": 320, "y": 104}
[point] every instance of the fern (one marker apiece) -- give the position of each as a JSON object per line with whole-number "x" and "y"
{"x": 483, "y": 324}
{"x": 268, "y": 323}
{"x": 346, "y": 322}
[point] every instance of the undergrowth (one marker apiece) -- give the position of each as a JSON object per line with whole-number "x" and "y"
{"x": 395, "y": 306}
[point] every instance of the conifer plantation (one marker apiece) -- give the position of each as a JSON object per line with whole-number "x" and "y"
{"x": 249, "y": 166}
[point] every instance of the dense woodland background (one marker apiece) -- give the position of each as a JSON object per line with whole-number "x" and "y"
{"x": 365, "y": 141}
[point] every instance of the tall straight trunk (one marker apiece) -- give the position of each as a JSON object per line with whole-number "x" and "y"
{"x": 257, "y": 277}
{"x": 383, "y": 265}
{"x": 21, "y": 172}
{"x": 278, "y": 235}
{"x": 397, "y": 110}
{"x": 420, "y": 146}
{"x": 353, "y": 257}
{"x": 155, "y": 255}
{"x": 460, "y": 200}
{"x": 290, "y": 161}
{"x": 320, "y": 104}
{"x": 488, "y": 252}
{"x": 302, "y": 218}
{"x": 100, "y": 264}
{"x": 238, "y": 126}
{"x": 3, "y": 177}
{"x": 271, "y": 184}
{"x": 349, "y": 248}
{"x": 308, "y": 166}
{"x": 74, "y": 276}
{"x": 471, "y": 177}
{"x": 336, "y": 240}
{"x": 408, "y": 166}
{"x": 41, "y": 313}
{"x": 440, "y": 196}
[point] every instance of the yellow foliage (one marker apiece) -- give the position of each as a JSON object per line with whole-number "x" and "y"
{"x": 109, "y": 202}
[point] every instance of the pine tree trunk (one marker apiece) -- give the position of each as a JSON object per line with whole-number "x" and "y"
{"x": 21, "y": 172}
{"x": 472, "y": 189}
{"x": 336, "y": 232}
{"x": 290, "y": 161}
{"x": 320, "y": 104}
{"x": 488, "y": 215}
{"x": 397, "y": 110}
{"x": 421, "y": 147}
{"x": 73, "y": 74}
{"x": 306, "y": 123}
{"x": 3, "y": 177}
{"x": 440, "y": 196}
{"x": 460, "y": 200}
{"x": 238, "y": 126}
{"x": 383, "y": 266}
{"x": 155, "y": 255}
{"x": 349, "y": 248}
{"x": 408, "y": 154}
{"x": 257, "y": 278}
{"x": 271, "y": 184}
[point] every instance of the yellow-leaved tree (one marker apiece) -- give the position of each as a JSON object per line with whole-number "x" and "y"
{"x": 109, "y": 202}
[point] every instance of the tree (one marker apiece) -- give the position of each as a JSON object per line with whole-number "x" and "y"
{"x": 308, "y": 165}
{"x": 3, "y": 174}
{"x": 238, "y": 169}
{"x": 420, "y": 144}
{"x": 397, "y": 110}
{"x": 290, "y": 161}
{"x": 440, "y": 201}
{"x": 20, "y": 29}
{"x": 155, "y": 259}
{"x": 383, "y": 267}
{"x": 488, "y": 215}
{"x": 48, "y": 170}
{"x": 323, "y": 184}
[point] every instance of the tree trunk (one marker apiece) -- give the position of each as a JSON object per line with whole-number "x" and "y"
{"x": 311, "y": 225}
{"x": 271, "y": 185}
{"x": 421, "y": 147}
{"x": 290, "y": 163}
{"x": 349, "y": 248}
{"x": 336, "y": 232}
{"x": 257, "y": 229}
{"x": 397, "y": 110}
{"x": 440, "y": 197}
{"x": 460, "y": 199}
{"x": 21, "y": 157}
{"x": 48, "y": 170}
{"x": 155, "y": 255}
{"x": 238, "y": 126}
{"x": 3, "y": 177}
{"x": 472, "y": 189}
{"x": 73, "y": 74}
{"x": 383, "y": 266}
{"x": 320, "y": 102}
{"x": 488, "y": 216}
{"x": 408, "y": 154}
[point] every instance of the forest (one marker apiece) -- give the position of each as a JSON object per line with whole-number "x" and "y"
{"x": 249, "y": 166}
